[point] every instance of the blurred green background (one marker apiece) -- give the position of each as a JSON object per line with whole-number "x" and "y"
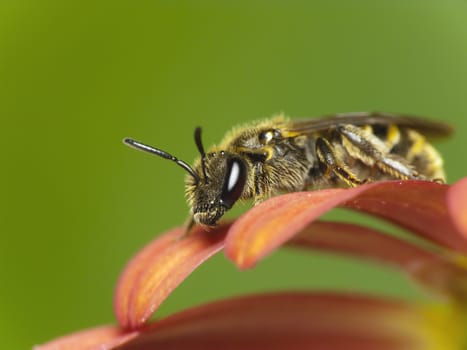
{"x": 77, "y": 77}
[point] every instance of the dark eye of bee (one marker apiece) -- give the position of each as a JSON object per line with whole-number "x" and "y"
{"x": 234, "y": 182}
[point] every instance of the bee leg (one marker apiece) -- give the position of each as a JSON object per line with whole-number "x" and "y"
{"x": 190, "y": 222}
{"x": 258, "y": 158}
{"x": 261, "y": 192}
{"x": 331, "y": 164}
{"x": 368, "y": 148}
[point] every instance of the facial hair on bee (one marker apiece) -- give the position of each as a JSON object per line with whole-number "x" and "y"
{"x": 265, "y": 158}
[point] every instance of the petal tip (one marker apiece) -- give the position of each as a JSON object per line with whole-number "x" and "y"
{"x": 239, "y": 258}
{"x": 159, "y": 268}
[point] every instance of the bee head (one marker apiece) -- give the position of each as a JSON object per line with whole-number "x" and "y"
{"x": 222, "y": 184}
{"x": 213, "y": 185}
{"x": 222, "y": 180}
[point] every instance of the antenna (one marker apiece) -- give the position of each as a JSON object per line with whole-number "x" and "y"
{"x": 158, "y": 152}
{"x": 199, "y": 144}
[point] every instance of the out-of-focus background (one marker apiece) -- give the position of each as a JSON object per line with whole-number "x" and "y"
{"x": 77, "y": 77}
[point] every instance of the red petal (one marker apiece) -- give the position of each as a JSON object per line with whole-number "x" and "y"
{"x": 159, "y": 268}
{"x": 288, "y": 321}
{"x": 457, "y": 204}
{"x": 431, "y": 269}
{"x": 361, "y": 242}
{"x": 417, "y": 205}
{"x": 104, "y": 337}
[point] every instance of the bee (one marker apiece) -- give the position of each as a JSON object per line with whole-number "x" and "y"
{"x": 280, "y": 155}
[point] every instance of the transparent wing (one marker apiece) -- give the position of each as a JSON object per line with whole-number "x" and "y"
{"x": 426, "y": 127}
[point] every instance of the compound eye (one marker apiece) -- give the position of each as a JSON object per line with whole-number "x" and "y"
{"x": 234, "y": 182}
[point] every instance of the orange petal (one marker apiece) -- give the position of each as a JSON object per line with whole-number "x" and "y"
{"x": 289, "y": 321}
{"x": 457, "y": 204}
{"x": 104, "y": 337}
{"x": 159, "y": 268}
{"x": 417, "y": 205}
{"x": 273, "y": 222}
{"x": 437, "y": 272}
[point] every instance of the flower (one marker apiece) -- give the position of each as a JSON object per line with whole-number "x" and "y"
{"x": 290, "y": 320}
{"x": 303, "y": 320}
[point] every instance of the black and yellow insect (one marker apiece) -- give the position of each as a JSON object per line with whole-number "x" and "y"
{"x": 279, "y": 155}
